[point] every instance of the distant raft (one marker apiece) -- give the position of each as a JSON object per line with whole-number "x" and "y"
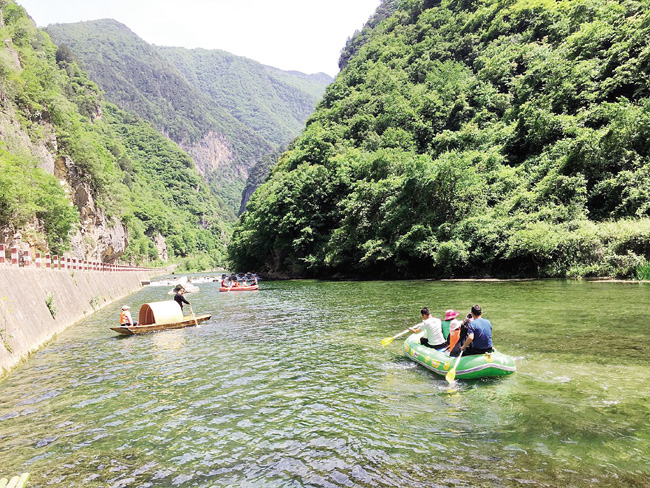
{"x": 239, "y": 288}
{"x": 469, "y": 367}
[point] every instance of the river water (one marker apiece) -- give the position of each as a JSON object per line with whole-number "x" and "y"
{"x": 289, "y": 386}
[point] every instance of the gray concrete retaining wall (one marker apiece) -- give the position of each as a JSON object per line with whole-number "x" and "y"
{"x": 26, "y": 322}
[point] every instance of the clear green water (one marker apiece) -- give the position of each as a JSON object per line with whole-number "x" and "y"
{"x": 289, "y": 386}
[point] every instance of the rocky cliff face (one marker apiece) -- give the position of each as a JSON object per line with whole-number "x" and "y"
{"x": 97, "y": 237}
{"x": 210, "y": 153}
{"x": 161, "y": 247}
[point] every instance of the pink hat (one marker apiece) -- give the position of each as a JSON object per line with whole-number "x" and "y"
{"x": 451, "y": 314}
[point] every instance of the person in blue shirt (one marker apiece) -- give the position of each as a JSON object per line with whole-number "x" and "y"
{"x": 479, "y": 334}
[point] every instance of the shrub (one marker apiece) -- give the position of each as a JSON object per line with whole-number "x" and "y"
{"x": 49, "y": 301}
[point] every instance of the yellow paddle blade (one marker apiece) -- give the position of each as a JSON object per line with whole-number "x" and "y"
{"x": 451, "y": 376}
{"x": 388, "y": 340}
{"x": 22, "y": 481}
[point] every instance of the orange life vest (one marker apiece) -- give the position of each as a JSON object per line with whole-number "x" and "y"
{"x": 454, "y": 335}
{"x": 124, "y": 318}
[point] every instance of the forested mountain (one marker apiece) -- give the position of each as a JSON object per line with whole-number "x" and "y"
{"x": 136, "y": 77}
{"x": 359, "y": 38}
{"x": 78, "y": 174}
{"x": 272, "y": 102}
{"x": 226, "y": 111}
{"x": 465, "y": 138}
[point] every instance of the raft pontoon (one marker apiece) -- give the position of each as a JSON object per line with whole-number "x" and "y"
{"x": 469, "y": 367}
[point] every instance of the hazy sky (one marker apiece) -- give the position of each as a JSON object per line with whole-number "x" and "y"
{"x": 303, "y": 35}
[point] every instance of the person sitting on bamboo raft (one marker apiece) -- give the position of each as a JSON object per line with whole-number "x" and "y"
{"x": 432, "y": 327}
{"x": 125, "y": 317}
{"x": 479, "y": 334}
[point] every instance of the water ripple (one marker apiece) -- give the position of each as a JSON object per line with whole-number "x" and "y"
{"x": 290, "y": 387}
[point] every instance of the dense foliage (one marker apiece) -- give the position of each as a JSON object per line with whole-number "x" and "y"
{"x": 359, "y": 38}
{"x": 471, "y": 138}
{"x": 166, "y": 194}
{"x": 258, "y": 175}
{"x": 51, "y": 110}
{"x": 138, "y": 79}
{"x": 28, "y": 193}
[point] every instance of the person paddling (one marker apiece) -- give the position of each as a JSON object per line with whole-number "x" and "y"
{"x": 432, "y": 330}
{"x": 125, "y": 317}
{"x": 180, "y": 299}
{"x": 479, "y": 334}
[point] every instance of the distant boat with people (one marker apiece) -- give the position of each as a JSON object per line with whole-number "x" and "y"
{"x": 239, "y": 282}
{"x": 239, "y": 288}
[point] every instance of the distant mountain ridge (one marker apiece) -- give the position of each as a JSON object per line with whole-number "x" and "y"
{"x": 274, "y": 103}
{"x": 226, "y": 111}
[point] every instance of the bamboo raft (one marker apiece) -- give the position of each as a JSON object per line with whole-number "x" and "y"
{"x": 15, "y": 482}
{"x": 158, "y": 316}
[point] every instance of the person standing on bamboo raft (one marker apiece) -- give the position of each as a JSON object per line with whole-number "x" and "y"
{"x": 180, "y": 299}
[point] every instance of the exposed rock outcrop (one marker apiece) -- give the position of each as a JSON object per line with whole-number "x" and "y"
{"x": 98, "y": 237}
{"x": 210, "y": 153}
{"x": 13, "y": 54}
{"x": 161, "y": 247}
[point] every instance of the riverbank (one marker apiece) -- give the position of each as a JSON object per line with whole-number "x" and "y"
{"x": 37, "y": 304}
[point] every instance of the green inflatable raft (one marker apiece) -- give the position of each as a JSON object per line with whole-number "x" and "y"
{"x": 481, "y": 366}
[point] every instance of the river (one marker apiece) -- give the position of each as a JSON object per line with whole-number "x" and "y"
{"x": 289, "y": 386}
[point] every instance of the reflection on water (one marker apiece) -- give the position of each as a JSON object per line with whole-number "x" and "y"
{"x": 168, "y": 342}
{"x": 289, "y": 386}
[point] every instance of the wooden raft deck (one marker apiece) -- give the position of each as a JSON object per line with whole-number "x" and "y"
{"x": 146, "y": 329}
{"x": 15, "y": 482}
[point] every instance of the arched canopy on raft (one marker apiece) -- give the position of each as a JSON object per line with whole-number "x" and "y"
{"x": 160, "y": 313}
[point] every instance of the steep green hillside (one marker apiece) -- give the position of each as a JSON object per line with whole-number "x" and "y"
{"x": 258, "y": 175}
{"x": 272, "y": 102}
{"x": 72, "y": 165}
{"x": 493, "y": 138}
{"x": 167, "y": 196}
{"x": 226, "y": 111}
{"x": 137, "y": 78}
{"x": 359, "y": 38}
